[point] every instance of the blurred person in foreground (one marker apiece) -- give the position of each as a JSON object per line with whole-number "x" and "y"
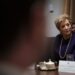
{"x": 22, "y": 34}
{"x": 65, "y": 41}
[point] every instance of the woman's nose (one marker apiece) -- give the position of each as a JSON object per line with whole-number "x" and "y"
{"x": 66, "y": 27}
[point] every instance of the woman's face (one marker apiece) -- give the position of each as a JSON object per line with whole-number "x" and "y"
{"x": 65, "y": 27}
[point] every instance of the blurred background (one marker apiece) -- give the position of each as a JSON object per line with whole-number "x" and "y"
{"x": 56, "y": 8}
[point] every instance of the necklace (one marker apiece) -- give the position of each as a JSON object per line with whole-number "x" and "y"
{"x": 62, "y": 57}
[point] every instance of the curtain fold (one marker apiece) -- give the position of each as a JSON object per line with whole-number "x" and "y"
{"x": 67, "y": 6}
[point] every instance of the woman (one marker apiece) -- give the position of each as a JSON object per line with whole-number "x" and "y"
{"x": 65, "y": 41}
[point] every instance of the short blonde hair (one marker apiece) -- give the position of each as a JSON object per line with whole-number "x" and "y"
{"x": 60, "y": 19}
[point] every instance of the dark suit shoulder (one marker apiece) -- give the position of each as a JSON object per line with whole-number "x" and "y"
{"x": 58, "y": 37}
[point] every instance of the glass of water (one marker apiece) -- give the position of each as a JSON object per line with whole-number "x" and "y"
{"x": 70, "y": 57}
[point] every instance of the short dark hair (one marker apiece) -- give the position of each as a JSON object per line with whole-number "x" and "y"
{"x": 13, "y": 14}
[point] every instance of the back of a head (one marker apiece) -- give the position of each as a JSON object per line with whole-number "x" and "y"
{"x": 14, "y": 17}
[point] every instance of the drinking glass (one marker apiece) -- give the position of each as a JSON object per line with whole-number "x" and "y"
{"x": 70, "y": 57}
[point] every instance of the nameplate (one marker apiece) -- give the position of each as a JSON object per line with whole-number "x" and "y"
{"x": 67, "y": 66}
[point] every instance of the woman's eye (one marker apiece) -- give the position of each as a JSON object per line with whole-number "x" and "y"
{"x": 67, "y": 24}
{"x": 63, "y": 26}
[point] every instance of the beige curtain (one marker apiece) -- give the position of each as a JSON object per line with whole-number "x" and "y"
{"x": 71, "y": 8}
{"x": 67, "y": 7}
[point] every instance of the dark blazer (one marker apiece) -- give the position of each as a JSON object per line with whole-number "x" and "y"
{"x": 71, "y": 49}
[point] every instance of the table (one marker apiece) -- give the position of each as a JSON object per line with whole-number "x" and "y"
{"x": 38, "y": 72}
